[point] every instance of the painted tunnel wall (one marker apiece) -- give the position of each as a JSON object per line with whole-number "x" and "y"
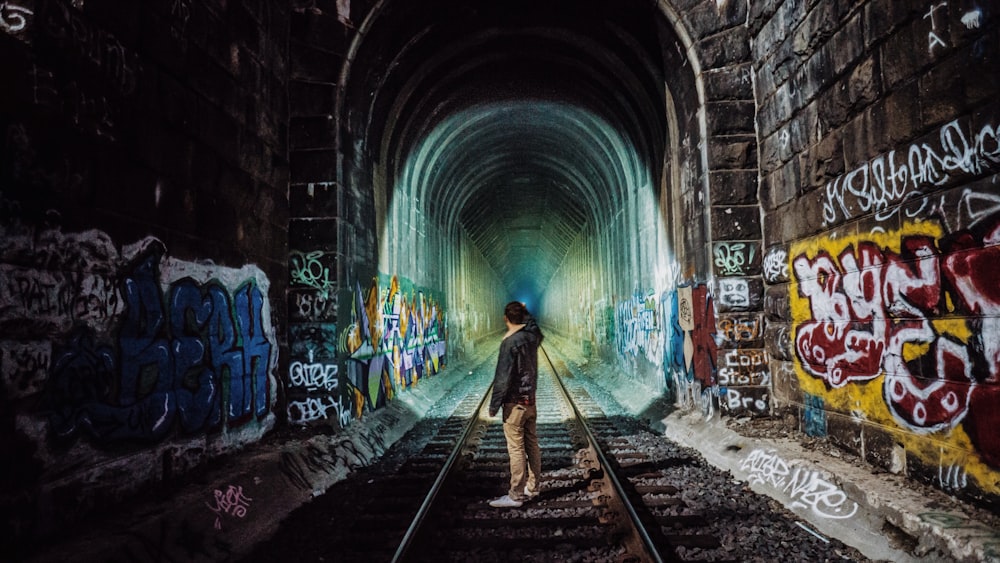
{"x": 880, "y": 149}
{"x": 142, "y": 246}
{"x": 381, "y": 295}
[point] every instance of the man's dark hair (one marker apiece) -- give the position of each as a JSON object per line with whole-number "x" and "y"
{"x": 516, "y": 312}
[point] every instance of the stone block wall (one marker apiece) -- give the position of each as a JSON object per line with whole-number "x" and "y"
{"x": 143, "y": 246}
{"x": 879, "y": 149}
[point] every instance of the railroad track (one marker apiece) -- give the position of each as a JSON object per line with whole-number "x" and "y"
{"x": 610, "y": 491}
{"x": 578, "y": 515}
{"x": 592, "y": 505}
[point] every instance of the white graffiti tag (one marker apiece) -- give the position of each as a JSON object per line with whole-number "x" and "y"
{"x": 807, "y": 488}
{"x": 876, "y": 186}
{"x": 13, "y": 18}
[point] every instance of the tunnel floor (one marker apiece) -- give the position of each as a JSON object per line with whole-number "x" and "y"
{"x": 830, "y": 493}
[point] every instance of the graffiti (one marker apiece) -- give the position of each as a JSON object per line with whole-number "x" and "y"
{"x": 953, "y": 478}
{"x": 313, "y": 409}
{"x": 972, "y": 19}
{"x": 808, "y": 489}
{"x": 743, "y": 367}
{"x": 776, "y": 265}
{"x": 637, "y": 328}
{"x": 57, "y": 298}
{"x": 740, "y": 330}
{"x": 24, "y": 367}
{"x": 923, "y": 315}
{"x": 391, "y": 342}
{"x": 308, "y": 270}
{"x": 734, "y": 294}
{"x": 199, "y": 356}
{"x": 70, "y": 284}
{"x": 232, "y": 502}
{"x": 315, "y": 306}
{"x": 753, "y": 400}
{"x": 312, "y": 467}
{"x": 692, "y": 339}
{"x": 877, "y": 185}
{"x": 13, "y": 18}
{"x": 933, "y": 39}
{"x": 813, "y": 416}
{"x": 961, "y": 522}
{"x": 735, "y": 258}
{"x": 313, "y": 377}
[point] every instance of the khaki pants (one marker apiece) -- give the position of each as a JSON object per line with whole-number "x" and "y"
{"x": 519, "y": 428}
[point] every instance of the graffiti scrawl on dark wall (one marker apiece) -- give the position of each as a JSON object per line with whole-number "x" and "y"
{"x": 134, "y": 346}
{"x": 194, "y": 358}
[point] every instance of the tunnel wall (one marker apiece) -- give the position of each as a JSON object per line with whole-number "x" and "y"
{"x": 143, "y": 255}
{"x": 474, "y": 286}
{"x": 688, "y": 316}
{"x": 380, "y": 295}
{"x": 879, "y": 147}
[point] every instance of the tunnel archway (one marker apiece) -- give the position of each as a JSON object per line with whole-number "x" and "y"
{"x": 575, "y": 156}
{"x": 532, "y": 134}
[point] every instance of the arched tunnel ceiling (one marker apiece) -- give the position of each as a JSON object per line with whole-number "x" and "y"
{"x": 519, "y": 123}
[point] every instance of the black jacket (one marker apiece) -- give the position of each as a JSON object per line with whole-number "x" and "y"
{"x": 517, "y": 367}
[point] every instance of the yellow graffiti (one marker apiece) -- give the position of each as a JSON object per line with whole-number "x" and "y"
{"x": 865, "y": 400}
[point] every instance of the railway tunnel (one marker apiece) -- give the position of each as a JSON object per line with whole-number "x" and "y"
{"x": 229, "y": 224}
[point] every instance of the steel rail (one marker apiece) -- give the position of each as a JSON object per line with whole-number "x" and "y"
{"x": 637, "y": 524}
{"x": 418, "y": 520}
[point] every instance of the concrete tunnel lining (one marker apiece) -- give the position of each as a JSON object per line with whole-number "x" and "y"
{"x": 572, "y": 78}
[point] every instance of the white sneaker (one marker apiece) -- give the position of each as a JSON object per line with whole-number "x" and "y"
{"x": 529, "y": 494}
{"x": 505, "y": 502}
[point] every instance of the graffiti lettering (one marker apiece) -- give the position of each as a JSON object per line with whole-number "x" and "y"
{"x": 752, "y": 399}
{"x": 309, "y": 270}
{"x": 927, "y": 317}
{"x": 932, "y": 37}
{"x": 734, "y": 258}
{"x": 177, "y": 357}
{"x": 776, "y": 265}
{"x": 880, "y": 183}
{"x": 313, "y": 377}
{"x": 637, "y": 328}
{"x": 744, "y": 367}
{"x": 311, "y": 409}
{"x": 391, "y": 343}
{"x": 318, "y": 306}
{"x": 736, "y": 330}
{"x": 807, "y": 488}
{"x": 232, "y": 502}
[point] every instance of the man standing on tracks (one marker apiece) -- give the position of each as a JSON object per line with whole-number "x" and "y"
{"x": 514, "y": 386}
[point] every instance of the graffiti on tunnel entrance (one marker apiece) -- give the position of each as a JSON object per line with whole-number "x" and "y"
{"x": 394, "y": 337}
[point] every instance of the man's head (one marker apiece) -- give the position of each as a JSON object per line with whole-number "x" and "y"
{"x": 516, "y": 313}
